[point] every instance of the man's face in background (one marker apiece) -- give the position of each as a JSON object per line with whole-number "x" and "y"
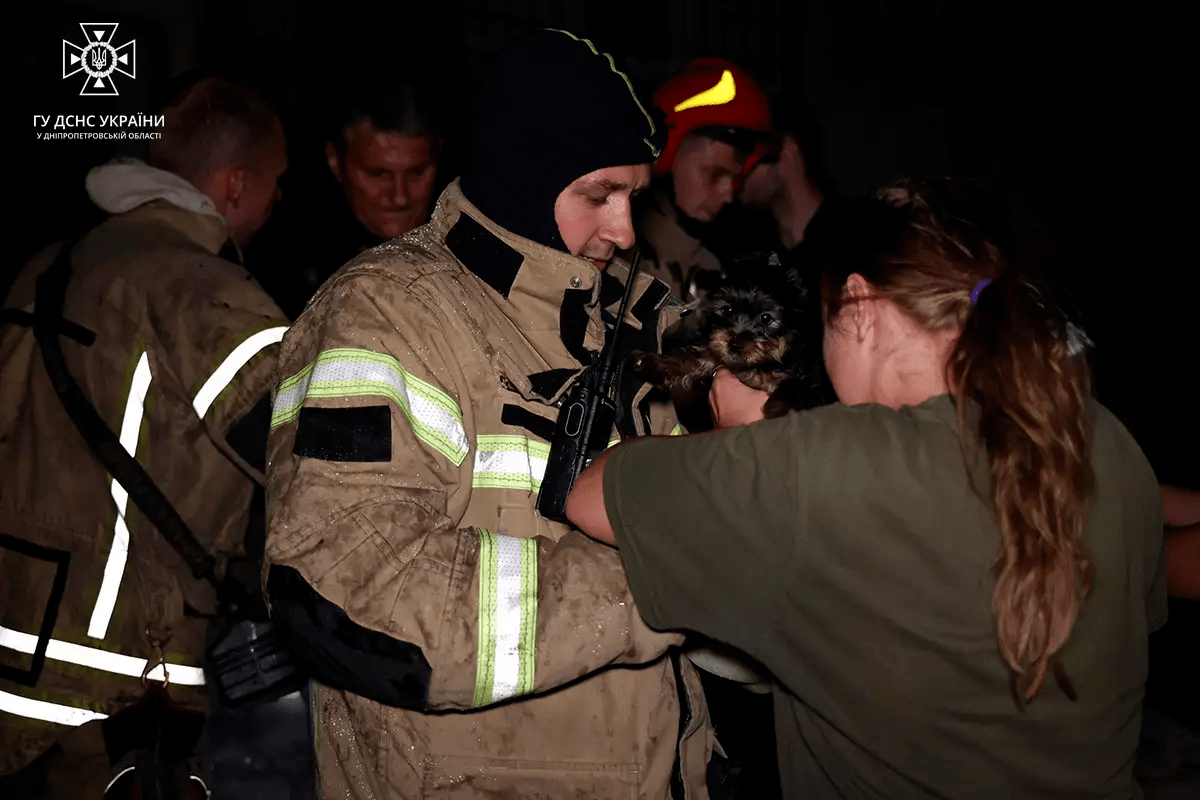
{"x": 388, "y": 178}
{"x": 706, "y": 174}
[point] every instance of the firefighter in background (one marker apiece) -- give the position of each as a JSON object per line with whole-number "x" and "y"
{"x": 718, "y": 127}
{"x": 185, "y": 345}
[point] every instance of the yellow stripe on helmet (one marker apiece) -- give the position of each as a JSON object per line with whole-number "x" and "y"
{"x": 719, "y": 95}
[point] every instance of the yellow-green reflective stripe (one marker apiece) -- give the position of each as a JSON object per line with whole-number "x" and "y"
{"x": 347, "y": 372}
{"x": 509, "y": 462}
{"x": 677, "y": 430}
{"x": 507, "y": 617}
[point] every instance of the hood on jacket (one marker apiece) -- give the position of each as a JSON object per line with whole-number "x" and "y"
{"x": 126, "y": 183}
{"x": 552, "y": 108}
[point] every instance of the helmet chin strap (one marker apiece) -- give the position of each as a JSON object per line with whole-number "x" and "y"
{"x": 689, "y": 225}
{"x": 757, "y": 155}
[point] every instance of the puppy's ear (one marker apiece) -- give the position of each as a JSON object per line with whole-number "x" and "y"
{"x": 687, "y": 330}
{"x": 796, "y": 283}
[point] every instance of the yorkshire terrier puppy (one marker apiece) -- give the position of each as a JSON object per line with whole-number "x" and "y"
{"x": 762, "y": 325}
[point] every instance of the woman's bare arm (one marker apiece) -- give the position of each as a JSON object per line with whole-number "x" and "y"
{"x": 585, "y": 504}
{"x": 1181, "y": 507}
{"x": 1183, "y": 562}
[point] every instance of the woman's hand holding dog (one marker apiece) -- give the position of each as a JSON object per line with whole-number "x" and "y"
{"x": 732, "y": 402}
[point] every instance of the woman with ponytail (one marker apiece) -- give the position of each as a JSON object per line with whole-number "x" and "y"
{"x": 952, "y": 572}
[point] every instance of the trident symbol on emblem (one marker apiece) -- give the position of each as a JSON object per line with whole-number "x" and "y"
{"x": 99, "y": 58}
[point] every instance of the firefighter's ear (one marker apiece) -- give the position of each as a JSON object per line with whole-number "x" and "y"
{"x": 235, "y": 184}
{"x": 335, "y": 163}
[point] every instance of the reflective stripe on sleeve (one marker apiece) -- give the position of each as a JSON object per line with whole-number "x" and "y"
{"x": 114, "y": 567}
{"x": 223, "y": 375}
{"x": 100, "y": 659}
{"x": 677, "y": 430}
{"x": 47, "y": 712}
{"x": 347, "y": 372}
{"x": 507, "y": 617}
{"x": 509, "y": 462}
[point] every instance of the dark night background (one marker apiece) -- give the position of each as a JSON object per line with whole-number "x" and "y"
{"x": 1074, "y": 115}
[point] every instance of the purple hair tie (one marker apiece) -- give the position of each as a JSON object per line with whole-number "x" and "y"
{"x": 979, "y": 287}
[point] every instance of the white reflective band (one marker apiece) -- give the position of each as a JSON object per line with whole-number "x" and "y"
{"x": 118, "y": 777}
{"x": 223, "y": 375}
{"x": 100, "y": 659}
{"x": 114, "y": 568}
{"x": 204, "y": 786}
{"x": 511, "y": 599}
{"x": 507, "y": 617}
{"x": 509, "y": 462}
{"x": 348, "y": 372}
{"x": 47, "y": 712}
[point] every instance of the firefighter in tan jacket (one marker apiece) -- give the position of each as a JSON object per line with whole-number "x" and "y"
{"x": 185, "y": 346}
{"x": 464, "y": 645}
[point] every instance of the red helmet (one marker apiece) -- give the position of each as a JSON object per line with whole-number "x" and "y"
{"x": 714, "y": 93}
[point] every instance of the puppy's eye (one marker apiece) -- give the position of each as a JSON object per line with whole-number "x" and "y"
{"x": 766, "y": 319}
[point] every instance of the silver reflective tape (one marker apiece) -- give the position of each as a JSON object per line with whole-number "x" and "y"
{"x": 47, "y": 712}
{"x": 100, "y": 659}
{"x": 223, "y": 375}
{"x": 508, "y": 618}
{"x": 426, "y": 406}
{"x": 118, "y": 554}
{"x": 510, "y": 462}
{"x": 291, "y": 397}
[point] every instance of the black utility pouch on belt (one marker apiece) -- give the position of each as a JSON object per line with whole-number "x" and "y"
{"x": 248, "y": 662}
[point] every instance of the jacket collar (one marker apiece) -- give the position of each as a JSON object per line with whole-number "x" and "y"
{"x": 128, "y": 185}
{"x": 554, "y": 298}
{"x": 530, "y": 278}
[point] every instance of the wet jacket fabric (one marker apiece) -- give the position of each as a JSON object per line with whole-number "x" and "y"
{"x": 185, "y": 345}
{"x": 467, "y": 647}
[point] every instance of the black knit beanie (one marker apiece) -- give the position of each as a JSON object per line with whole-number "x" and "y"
{"x": 551, "y": 109}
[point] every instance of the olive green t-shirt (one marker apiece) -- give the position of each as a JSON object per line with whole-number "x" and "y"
{"x": 845, "y": 550}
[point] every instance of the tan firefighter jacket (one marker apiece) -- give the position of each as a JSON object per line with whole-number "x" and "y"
{"x": 185, "y": 345}
{"x": 478, "y": 649}
{"x": 670, "y": 253}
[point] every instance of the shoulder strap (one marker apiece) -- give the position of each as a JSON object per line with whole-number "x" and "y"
{"x": 104, "y": 444}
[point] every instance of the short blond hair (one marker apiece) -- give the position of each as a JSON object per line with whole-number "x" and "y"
{"x": 210, "y": 123}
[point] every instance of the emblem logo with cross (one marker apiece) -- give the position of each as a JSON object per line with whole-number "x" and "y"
{"x": 99, "y": 59}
